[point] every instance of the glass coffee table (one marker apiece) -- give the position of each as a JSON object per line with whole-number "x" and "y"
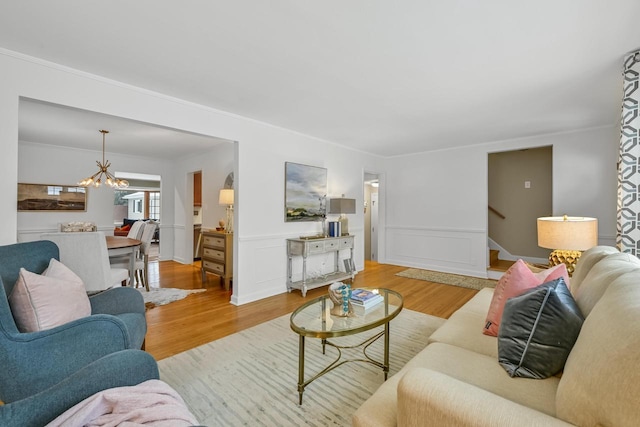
{"x": 313, "y": 320}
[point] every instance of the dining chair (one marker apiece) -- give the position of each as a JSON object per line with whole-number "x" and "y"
{"x": 142, "y": 262}
{"x": 86, "y": 255}
{"x": 135, "y": 232}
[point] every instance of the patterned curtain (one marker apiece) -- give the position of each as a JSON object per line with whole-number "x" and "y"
{"x": 628, "y": 227}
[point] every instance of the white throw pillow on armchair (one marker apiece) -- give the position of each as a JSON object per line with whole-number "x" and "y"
{"x": 44, "y": 301}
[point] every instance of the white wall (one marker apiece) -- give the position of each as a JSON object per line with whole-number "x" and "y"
{"x": 215, "y": 165}
{"x": 40, "y": 163}
{"x": 261, "y": 175}
{"x": 437, "y": 210}
{"x": 260, "y": 261}
{"x": 433, "y": 205}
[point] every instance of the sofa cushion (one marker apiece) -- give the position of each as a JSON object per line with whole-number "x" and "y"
{"x": 485, "y": 372}
{"x": 601, "y": 379}
{"x": 517, "y": 279}
{"x": 430, "y": 398}
{"x": 600, "y": 276}
{"x": 479, "y": 303}
{"x": 538, "y": 330}
{"x": 56, "y": 297}
{"x": 461, "y": 329}
{"x": 464, "y": 365}
{"x": 586, "y": 261}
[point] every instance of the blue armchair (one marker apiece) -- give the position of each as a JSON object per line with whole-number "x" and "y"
{"x": 44, "y": 373}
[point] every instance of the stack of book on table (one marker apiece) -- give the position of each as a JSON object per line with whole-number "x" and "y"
{"x": 363, "y": 300}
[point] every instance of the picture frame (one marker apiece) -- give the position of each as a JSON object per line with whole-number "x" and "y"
{"x": 349, "y": 266}
{"x": 51, "y": 198}
{"x": 305, "y": 194}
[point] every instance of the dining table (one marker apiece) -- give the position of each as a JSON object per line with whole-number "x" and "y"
{"x": 119, "y": 245}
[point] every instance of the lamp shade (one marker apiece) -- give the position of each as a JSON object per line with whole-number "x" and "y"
{"x": 567, "y": 232}
{"x": 342, "y": 206}
{"x": 226, "y": 196}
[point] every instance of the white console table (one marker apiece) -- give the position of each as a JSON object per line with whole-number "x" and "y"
{"x": 318, "y": 246}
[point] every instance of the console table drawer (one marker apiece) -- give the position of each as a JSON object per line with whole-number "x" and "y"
{"x": 213, "y": 267}
{"x": 346, "y": 243}
{"x": 315, "y": 247}
{"x": 213, "y": 254}
{"x": 331, "y": 245}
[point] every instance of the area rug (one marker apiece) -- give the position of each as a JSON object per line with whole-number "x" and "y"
{"x": 250, "y": 378}
{"x": 162, "y": 296}
{"x": 448, "y": 279}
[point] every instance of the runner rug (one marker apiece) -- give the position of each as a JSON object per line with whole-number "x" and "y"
{"x": 448, "y": 279}
{"x": 250, "y": 378}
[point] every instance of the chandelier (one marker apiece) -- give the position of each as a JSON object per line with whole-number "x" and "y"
{"x": 103, "y": 175}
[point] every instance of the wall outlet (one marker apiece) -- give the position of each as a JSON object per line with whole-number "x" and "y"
{"x": 527, "y": 184}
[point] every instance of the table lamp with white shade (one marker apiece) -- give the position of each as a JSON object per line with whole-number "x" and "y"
{"x": 226, "y": 198}
{"x": 568, "y": 236}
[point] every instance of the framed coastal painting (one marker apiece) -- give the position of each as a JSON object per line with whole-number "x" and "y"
{"x": 48, "y": 197}
{"x": 305, "y": 193}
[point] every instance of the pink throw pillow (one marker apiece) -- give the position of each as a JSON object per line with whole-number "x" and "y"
{"x": 56, "y": 297}
{"x": 58, "y": 270}
{"x": 515, "y": 281}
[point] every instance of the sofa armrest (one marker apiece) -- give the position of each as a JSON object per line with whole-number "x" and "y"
{"x": 430, "y": 398}
{"x": 123, "y": 368}
{"x": 117, "y": 301}
{"x": 40, "y": 359}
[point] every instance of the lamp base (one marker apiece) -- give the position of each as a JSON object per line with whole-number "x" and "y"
{"x": 228, "y": 228}
{"x": 344, "y": 225}
{"x": 568, "y": 258}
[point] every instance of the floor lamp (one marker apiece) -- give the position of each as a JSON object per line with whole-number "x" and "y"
{"x": 226, "y": 198}
{"x": 568, "y": 236}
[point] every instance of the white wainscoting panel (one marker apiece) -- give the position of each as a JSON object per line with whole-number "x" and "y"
{"x": 261, "y": 267}
{"x": 439, "y": 249}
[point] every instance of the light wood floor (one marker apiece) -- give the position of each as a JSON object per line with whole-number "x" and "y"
{"x": 207, "y": 316}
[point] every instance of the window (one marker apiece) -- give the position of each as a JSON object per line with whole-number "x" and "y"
{"x": 137, "y": 206}
{"x": 154, "y": 205}
{"x": 54, "y": 190}
{"x": 132, "y": 203}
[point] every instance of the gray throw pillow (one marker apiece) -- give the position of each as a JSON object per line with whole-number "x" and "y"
{"x": 538, "y": 330}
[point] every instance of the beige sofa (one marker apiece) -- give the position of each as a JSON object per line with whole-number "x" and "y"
{"x": 456, "y": 379}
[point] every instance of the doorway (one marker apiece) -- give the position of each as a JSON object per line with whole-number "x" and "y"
{"x": 197, "y": 214}
{"x": 520, "y": 191}
{"x": 371, "y": 185}
{"x": 139, "y": 201}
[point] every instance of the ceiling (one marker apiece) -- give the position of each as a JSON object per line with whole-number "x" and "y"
{"x": 42, "y": 122}
{"x": 385, "y": 77}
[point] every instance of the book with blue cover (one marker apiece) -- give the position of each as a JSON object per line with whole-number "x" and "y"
{"x": 362, "y": 296}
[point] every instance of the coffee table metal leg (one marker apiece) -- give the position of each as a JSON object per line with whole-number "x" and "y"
{"x": 301, "y": 367}
{"x": 386, "y": 350}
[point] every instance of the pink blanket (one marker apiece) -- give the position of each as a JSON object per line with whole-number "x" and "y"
{"x": 151, "y": 403}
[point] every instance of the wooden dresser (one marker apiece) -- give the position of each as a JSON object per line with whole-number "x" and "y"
{"x": 217, "y": 256}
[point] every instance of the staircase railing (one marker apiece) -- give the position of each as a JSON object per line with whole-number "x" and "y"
{"x": 492, "y": 209}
